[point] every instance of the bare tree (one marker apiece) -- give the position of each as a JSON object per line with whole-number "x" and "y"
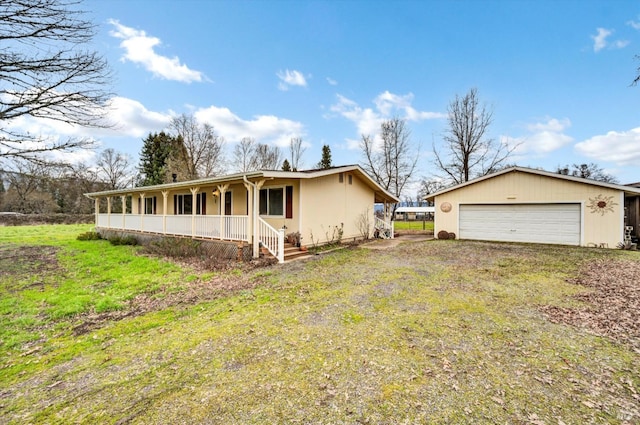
{"x": 28, "y": 188}
{"x": 44, "y": 73}
{"x": 392, "y": 162}
{"x": 243, "y": 155}
{"x": 115, "y": 169}
{"x": 250, "y": 156}
{"x": 467, "y": 152}
{"x": 68, "y": 184}
{"x": 297, "y": 150}
{"x": 427, "y": 187}
{"x": 587, "y": 171}
{"x": 203, "y": 148}
{"x": 267, "y": 157}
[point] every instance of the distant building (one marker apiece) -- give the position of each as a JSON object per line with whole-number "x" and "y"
{"x": 415, "y": 213}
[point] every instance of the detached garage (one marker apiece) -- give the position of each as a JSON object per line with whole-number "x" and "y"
{"x": 525, "y": 205}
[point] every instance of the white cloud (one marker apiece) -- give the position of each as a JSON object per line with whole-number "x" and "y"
{"x": 633, "y": 24}
{"x": 125, "y": 118}
{"x": 132, "y": 119}
{"x": 600, "y": 40}
{"x": 551, "y": 125}
{"x": 264, "y": 128}
{"x": 139, "y": 48}
{"x": 332, "y": 82}
{"x": 387, "y": 105}
{"x": 291, "y": 78}
{"x": 542, "y": 138}
{"x": 620, "y": 147}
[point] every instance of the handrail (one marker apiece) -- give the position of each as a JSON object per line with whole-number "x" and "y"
{"x": 229, "y": 227}
{"x": 386, "y": 227}
{"x": 271, "y": 239}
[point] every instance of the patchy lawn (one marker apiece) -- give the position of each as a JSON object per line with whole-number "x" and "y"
{"x": 413, "y": 226}
{"x": 430, "y": 332}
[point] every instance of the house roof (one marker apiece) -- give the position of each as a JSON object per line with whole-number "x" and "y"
{"x": 628, "y": 190}
{"x": 381, "y": 195}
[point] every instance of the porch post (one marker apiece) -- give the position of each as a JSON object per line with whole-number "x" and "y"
{"x": 96, "y": 203}
{"x": 222, "y": 188}
{"x": 250, "y": 225}
{"x": 142, "y": 211}
{"x": 256, "y": 214}
{"x": 165, "y": 196}
{"x": 254, "y": 209}
{"x": 124, "y": 209}
{"x": 194, "y": 192}
{"x": 109, "y": 212}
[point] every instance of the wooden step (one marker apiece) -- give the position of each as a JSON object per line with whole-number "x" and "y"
{"x": 292, "y": 252}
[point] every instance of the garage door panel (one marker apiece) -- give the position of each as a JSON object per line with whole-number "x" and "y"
{"x": 538, "y": 223}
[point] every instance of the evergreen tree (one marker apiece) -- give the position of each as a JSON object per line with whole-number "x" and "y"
{"x": 285, "y": 165}
{"x": 325, "y": 162}
{"x": 154, "y": 157}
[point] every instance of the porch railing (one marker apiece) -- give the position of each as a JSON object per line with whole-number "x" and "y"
{"x": 271, "y": 239}
{"x": 230, "y": 227}
{"x": 385, "y": 228}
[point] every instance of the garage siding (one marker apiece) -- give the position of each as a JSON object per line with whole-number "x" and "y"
{"x": 537, "y": 223}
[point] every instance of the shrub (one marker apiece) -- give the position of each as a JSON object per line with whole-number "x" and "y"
{"x": 176, "y": 248}
{"x": 89, "y": 236}
{"x": 123, "y": 240}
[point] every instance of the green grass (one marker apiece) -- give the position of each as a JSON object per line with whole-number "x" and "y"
{"x": 430, "y": 332}
{"x": 413, "y": 225}
{"x": 75, "y": 278}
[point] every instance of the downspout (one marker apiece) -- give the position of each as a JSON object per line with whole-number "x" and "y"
{"x": 254, "y": 218}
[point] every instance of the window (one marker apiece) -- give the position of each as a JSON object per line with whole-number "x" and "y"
{"x": 340, "y": 177}
{"x": 150, "y": 205}
{"x": 350, "y": 179}
{"x": 272, "y": 201}
{"x": 183, "y": 204}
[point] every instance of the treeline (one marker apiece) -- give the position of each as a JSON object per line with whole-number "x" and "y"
{"x": 188, "y": 150}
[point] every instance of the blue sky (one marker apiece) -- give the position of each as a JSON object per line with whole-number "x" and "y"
{"x": 557, "y": 74}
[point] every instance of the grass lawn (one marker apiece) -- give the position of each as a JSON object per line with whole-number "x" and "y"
{"x": 413, "y": 225}
{"x": 428, "y": 332}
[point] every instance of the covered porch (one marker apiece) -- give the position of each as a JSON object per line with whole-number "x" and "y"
{"x": 182, "y": 210}
{"x": 259, "y": 209}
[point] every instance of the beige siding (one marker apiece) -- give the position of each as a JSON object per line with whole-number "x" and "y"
{"x": 292, "y": 224}
{"x": 522, "y": 188}
{"x": 328, "y": 204}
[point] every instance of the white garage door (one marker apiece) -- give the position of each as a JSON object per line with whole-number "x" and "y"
{"x": 538, "y": 223}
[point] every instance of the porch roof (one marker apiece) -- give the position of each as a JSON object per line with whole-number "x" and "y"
{"x": 381, "y": 195}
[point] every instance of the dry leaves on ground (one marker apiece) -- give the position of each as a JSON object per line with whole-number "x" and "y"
{"x": 614, "y": 302}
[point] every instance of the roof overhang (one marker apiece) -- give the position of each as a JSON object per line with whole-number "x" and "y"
{"x": 381, "y": 195}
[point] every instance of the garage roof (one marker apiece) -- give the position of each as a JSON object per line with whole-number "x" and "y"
{"x": 628, "y": 190}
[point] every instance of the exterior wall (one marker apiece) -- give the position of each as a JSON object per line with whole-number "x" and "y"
{"x": 598, "y": 225}
{"x": 328, "y": 203}
{"x": 278, "y": 222}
